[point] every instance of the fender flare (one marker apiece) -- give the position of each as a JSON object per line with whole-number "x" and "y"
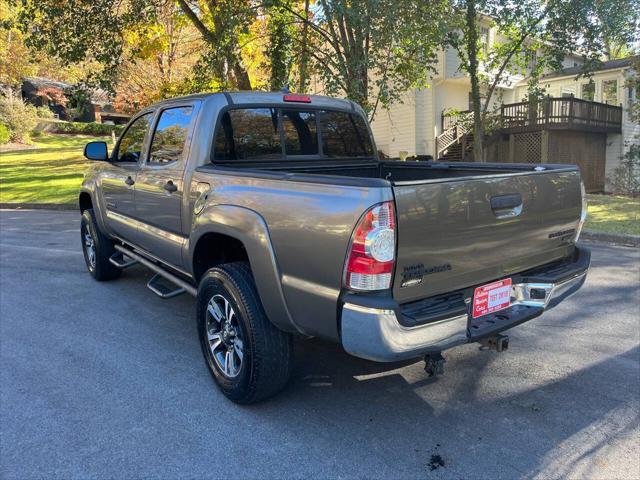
{"x": 248, "y": 227}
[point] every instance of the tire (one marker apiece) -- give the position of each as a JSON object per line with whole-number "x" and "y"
{"x": 97, "y": 249}
{"x": 264, "y": 366}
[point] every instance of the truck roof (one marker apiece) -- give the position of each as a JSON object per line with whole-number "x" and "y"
{"x": 251, "y": 97}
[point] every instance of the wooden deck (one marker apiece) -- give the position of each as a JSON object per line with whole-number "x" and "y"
{"x": 565, "y": 113}
{"x": 558, "y": 113}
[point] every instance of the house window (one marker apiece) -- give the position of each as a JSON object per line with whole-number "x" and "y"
{"x": 589, "y": 91}
{"x": 610, "y": 92}
{"x": 631, "y": 96}
{"x": 484, "y": 40}
{"x": 530, "y": 57}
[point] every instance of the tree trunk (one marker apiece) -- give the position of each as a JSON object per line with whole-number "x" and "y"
{"x": 240, "y": 76}
{"x": 472, "y": 49}
{"x": 304, "y": 54}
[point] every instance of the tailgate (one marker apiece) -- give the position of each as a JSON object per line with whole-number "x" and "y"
{"x": 462, "y": 232}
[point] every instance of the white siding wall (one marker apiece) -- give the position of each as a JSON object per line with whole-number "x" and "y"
{"x": 452, "y": 64}
{"x": 395, "y": 129}
{"x": 448, "y": 95}
{"x": 424, "y": 142}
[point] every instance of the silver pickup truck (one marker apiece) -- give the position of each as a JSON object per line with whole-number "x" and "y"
{"x": 276, "y": 212}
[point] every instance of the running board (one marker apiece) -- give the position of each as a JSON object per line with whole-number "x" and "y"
{"x": 118, "y": 260}
{"x": 163, "y": 290}
{"x": 183, "y": 287}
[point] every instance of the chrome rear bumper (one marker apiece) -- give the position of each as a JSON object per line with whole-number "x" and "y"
{"x": 376, "y": 334}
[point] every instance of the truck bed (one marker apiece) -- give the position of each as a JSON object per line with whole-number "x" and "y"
{"x": 459, "y": 224}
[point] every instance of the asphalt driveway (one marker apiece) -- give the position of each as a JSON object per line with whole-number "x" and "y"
{"x": 107, "y": 381}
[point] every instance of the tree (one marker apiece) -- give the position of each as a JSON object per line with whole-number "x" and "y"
{"x": 371, "y": 51}
{"x": 533, "y": 37}
{"x": 619, "y": 23}
{"x": 18, "y": 60}
{"x": 80, "y": 30}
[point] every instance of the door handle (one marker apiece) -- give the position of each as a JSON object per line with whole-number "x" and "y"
{"x": 170, "y": 187}
{"x": 129, "y": 181}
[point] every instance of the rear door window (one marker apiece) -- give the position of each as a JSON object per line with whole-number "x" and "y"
{"x": 170, "y": 136}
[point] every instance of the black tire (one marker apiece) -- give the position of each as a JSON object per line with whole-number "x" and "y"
{"x": 100, "y": 267}
{"x": 266, "y": 364}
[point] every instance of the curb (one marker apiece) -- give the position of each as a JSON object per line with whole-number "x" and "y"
{"x": 39, "y": 206}
{"x": 614, "y": 238}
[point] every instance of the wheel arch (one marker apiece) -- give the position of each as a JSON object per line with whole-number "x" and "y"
{"x": 84, "y": 201}
{"x": 242, "y": 234}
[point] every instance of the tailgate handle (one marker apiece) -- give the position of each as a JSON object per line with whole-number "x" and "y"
{"x": 505, "y": 206}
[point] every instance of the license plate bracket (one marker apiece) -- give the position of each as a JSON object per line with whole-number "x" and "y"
{"x": 491, "y": 298}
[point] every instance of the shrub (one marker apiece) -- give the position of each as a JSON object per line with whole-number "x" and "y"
{"x": 626, "y": 176}
{"x": 80, "y": 128}
{"x": 5, "y": 135}
{"x": 19, "y": 117}
{"x": 44, "y": 112}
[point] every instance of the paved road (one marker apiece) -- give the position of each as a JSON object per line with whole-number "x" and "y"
{"x": 106, "y": 380}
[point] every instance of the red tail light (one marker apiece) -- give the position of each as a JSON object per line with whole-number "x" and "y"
{"x": 372, "y": 252}
{"x": 292, "y": 97}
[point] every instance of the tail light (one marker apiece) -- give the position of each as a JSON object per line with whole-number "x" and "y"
{"x": 372, "y": 252}
{"x": 583, "y": 213}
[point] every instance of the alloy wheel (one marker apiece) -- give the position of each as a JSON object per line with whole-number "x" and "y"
{"x": 224, "y": 336}
{"x": 90, "y": 246}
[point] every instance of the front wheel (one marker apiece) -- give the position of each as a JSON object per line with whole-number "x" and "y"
{"x": 97, "y": 248}
{"x": 249, "y": 358}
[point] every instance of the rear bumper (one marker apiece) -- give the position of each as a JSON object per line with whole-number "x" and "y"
{"x": 378, "y": 331}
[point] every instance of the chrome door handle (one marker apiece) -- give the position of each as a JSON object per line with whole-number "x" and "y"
{"x": 129, "y": 181}
{"x": 170, "y": 187}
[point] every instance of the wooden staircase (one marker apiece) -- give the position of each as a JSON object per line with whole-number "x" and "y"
{"x": 454, "y": 144}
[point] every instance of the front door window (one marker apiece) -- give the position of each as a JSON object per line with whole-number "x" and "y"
{"x": 132, "y": 142}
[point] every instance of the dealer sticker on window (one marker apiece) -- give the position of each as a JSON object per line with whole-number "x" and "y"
{"x": 491, "y": 298}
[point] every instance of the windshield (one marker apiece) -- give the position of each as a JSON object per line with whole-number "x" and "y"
{"x": 266, "y": 133}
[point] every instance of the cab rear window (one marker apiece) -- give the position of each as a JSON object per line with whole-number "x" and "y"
{"x": 275, "y": 134}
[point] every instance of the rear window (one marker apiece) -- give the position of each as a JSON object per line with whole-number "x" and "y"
{"x": 272, "y": 133}
{"x": 248, "y": 134}
{"x": 344, "y": 135}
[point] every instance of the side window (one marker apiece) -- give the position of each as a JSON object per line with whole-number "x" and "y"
{"x": 131, "y": 143}
{"x": 248, "y": 134}
{"x": 170, "y": 135}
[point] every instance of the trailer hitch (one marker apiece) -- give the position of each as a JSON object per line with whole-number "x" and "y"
{"x": 434, "y": 364}
{"x": 499, "y": 343}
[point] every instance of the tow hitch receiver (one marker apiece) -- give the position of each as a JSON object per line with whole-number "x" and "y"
{"x": 434, "y": 364}
{"x": 499, "y": 343}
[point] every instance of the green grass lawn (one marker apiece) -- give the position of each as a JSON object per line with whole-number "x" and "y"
{"x": 50, "y": 171}
{"x": 613, "y": 214}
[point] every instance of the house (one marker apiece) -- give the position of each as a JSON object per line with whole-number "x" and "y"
{"x": 583, "y": 121}
{"x": 44, "y": 92}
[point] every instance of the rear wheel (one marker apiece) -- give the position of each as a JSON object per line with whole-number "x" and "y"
{"x": 97, "y": 248}
{"x": 249, "y": 358}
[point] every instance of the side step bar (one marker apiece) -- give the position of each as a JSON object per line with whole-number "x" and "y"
{"x": 157, "y": 289}
{"x": 119, "y": 261}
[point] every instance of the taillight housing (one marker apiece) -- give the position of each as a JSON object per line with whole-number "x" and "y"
{"x": 583, "y": 213}
{"x": 372, "y": 253}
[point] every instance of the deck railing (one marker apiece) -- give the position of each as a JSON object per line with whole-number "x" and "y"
{"x": 550, "y": 113}
{"x": 565, "y": 112}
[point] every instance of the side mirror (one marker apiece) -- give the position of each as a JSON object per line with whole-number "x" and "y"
{"x": 96, "y": 151}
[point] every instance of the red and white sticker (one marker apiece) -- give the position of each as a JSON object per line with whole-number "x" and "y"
{"x": 491, "y": 298}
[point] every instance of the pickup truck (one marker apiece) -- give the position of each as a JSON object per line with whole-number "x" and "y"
{"x": 276, "y": 213}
